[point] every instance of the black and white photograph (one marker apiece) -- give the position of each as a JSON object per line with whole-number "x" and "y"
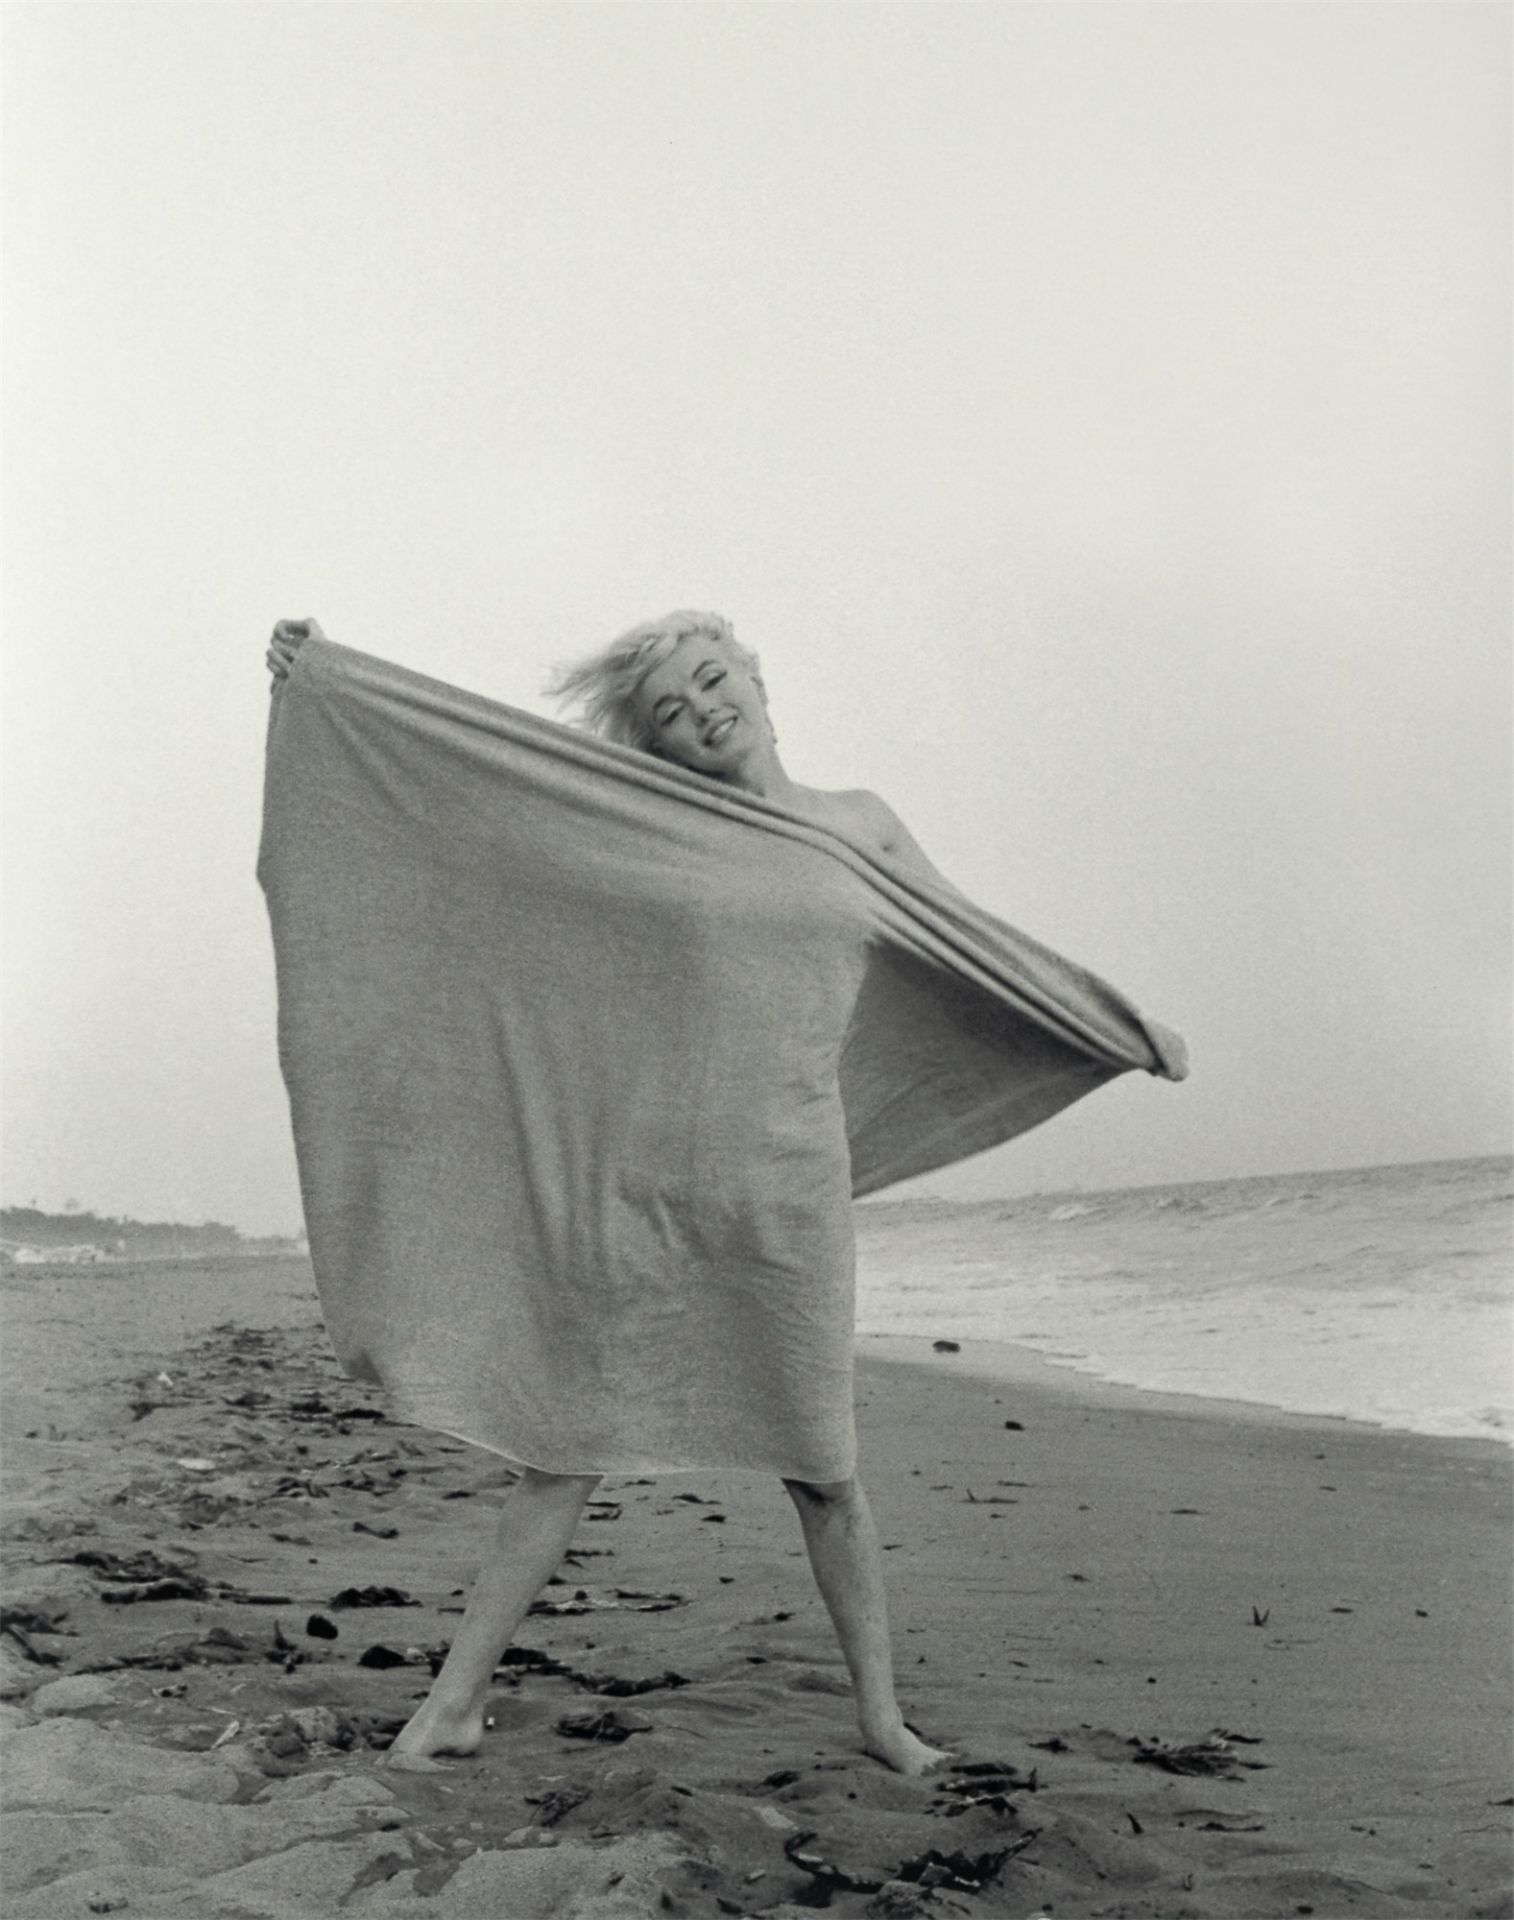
{"x": 758, "y": 1074}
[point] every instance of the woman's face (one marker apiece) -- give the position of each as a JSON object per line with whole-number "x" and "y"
{"x": 703, "y": 708}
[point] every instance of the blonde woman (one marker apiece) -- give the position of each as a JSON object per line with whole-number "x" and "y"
{"x": 682, "y": 688}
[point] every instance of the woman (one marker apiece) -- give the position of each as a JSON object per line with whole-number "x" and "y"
{"x": 741, "y": 936}
{"x": 683, "y": 689}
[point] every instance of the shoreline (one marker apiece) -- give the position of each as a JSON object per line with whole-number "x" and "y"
{"x": 1027, "y": 1368}
{"x": 1381, "y": 1296}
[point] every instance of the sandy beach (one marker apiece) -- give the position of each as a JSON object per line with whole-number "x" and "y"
{"x": 1191, "y": 1659}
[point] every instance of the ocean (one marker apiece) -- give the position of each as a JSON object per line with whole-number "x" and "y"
{"x": 1382, "y": 1294}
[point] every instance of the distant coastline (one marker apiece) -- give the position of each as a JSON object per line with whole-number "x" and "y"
{"x": 927, "y": 1199}
{"x": 30, "y": 1236}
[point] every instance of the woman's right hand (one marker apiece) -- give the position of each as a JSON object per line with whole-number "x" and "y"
{"x": 288, "y": 636}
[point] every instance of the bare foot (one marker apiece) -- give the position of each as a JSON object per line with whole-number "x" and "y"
{"x": 434, "y": 1728}
{"x": 392, "y": 1762}
{"x": 904, "y": 1751}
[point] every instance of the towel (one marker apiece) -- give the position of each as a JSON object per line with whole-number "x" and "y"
{"x": 587, "y": 1056}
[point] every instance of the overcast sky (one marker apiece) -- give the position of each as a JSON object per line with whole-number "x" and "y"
{"x": 1096, "y": 416}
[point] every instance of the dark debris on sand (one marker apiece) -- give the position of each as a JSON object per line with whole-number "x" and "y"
{"x": 1214, "y": 1755}
{"x": 255, "y": 1457}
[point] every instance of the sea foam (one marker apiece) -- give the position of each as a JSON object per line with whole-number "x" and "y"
{"x": 1382, "y": 1294}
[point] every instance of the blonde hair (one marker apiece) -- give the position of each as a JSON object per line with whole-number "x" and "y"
{"x": 602, "y": 686}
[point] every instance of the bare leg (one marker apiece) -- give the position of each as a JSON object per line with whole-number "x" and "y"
{"x": 530, "y": 1539}
{"x": 843, "y": 1548}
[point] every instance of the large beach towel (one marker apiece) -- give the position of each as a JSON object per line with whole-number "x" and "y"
{"x": 587, "y": 1056}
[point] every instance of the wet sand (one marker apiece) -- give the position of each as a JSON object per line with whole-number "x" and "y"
{"x": 1192, "y": 1659}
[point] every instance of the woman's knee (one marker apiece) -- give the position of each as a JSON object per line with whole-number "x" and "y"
{"x": 820, "y": 1493}
{"x": 564, "y": 1486}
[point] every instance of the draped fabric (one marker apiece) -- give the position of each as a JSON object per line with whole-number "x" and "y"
{"x": 586, "y": 1057}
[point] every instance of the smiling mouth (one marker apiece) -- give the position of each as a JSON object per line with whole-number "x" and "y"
{"x": 718, "y": 732}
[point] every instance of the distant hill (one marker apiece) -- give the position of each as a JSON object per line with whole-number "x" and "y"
{"x": 28, "y": 1230}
